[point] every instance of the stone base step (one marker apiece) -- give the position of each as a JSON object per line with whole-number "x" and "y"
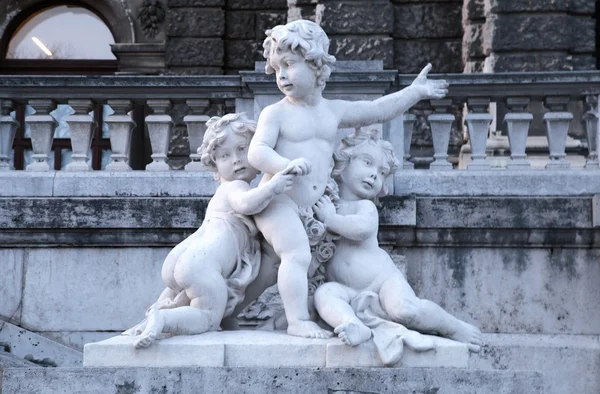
{"x": 247, "y": 348}
{"x": 269, "y": 380}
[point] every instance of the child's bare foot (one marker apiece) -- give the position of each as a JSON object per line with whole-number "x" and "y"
{"x": 417, "y": 341}
{"x": 353, "y": 333}
{"x": 468, "y": 334}
{"x": 153, "y": 328}
{"x": 307, "y": 329}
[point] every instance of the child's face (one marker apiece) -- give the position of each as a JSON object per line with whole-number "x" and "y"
{"x": 294, "y": 77}
{"x": 231, "y": 158}
{"x": 366, "y": 172}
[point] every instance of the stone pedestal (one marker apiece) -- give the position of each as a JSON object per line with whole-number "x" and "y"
{"x": 261, "y": 349}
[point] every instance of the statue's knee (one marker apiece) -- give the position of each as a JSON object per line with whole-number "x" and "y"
{"x": 405, "y": 312}
{"x": 297, "y": 258}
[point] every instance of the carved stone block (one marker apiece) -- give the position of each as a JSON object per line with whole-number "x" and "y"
{"x": 195, "y": 22}
{"x": 584, "y": 35}
{"x": 363, "y": 48}
{"x": 516, "y": 32}
{"x": 242, "y": 53}
{"x": 502, "y": 6}
{"x": 342, "y": 17}
{"x": 196, "y": 3}
{"x": 240, "y": 24}
{"x": 530, "y": 61}
{"x": 445, "y": 56}
{"x": 195, "y": 52}
{"x": 429, "y": 20}
{"x": 257, "y": 4}
{"x": 268, "y": 20}
{"x": 473, "y": 41}
{"x": 474, "y": 9}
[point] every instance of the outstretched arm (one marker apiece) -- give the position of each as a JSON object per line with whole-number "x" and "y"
{"x": 249, "y": 201}
{"x": 357, "y": 227}
{"x": 364, "y": 113}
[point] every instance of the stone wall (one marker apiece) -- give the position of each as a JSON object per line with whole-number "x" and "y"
{"x": 427, "y": 31}
{"x": 546, "y": 35}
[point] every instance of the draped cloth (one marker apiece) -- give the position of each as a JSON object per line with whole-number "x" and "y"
{"x": 244, "y": 233}
{"x": 388, "y": 336}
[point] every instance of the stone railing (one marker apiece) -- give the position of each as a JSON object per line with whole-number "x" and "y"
{"x": 479, "y": 99}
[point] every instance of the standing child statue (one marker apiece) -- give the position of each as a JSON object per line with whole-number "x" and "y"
{"x": 300, "y": 132}
{"x": 366, "y": 293}
{"x": 206, "y": 274}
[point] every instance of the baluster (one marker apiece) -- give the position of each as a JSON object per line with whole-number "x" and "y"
{"x": 41, "y": 126}
{"x": 120, "y": 129}
{"x": 517, "y": 122}
{"x": 8, "y": 129}
{"x": 409, "y": 124}
{"x": 196, "y": 125}
{"x": 557, "y": 129}
{"x": 159, "y": 129}
{"x": 478, "y": 127}
{"x": 81, "y": 125}
{"x": 441, "y": 124}
{"x": 591, "y": 128}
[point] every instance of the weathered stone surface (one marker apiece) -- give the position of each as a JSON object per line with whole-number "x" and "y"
{"x": 429, "y": 20}
{"x": 178, "y": 143}
{"x": 117, "y": 285}
{"x": 514, "y": 32}
{"x": 38, "y": 349}
{"x": 343, "y": 17}
{"x": 473, "y": 66}
{"x": 545, "y": 353}
{"x": 363, "y": 48}
{"x": 512, "y": 290}
{"x": 242, "y": 54}
{"x": 504, "y": 212}
{"x": 474, "y": 10}
{"x": 257, "y": 4}
{"x": 270, "y": 380}
{"x": 268, "y": 20}
{"x": 582, "y": 6}
{"x": 76, "y": 339}
{"x": 195, "y": 22}
{"x": 528, "y": 61}
{"x": 584, "y": 62}
{"x": 196, "y": 3}
{"x": 240, "y": 24}
{"x": 596, "y": 210}
{"x": 584, "y": 34}
{"x": 194, "y": 52}
{"x": 11, "y": 282}
{"x": 503, "y": 6}
{"x": 195, "y": 71}
{"x": 472, "y": 44}
{"x": 411, "y": 56}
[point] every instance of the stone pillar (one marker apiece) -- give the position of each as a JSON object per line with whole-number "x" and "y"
{"x": 441, "y": 123}
{"x": 592, "y": 132}
{"x": 557, "y": 129}
{"x": 478, "y": 126}
{"x": 518, "y": 122}
{"x": 537, "y": 35}
{"x": 195, "y": 32}
{"x": 473, "y": 19}
{"x": 120, "y": 127}
{"x": 358, "y": 30}
{"x": 42, "y": 126}
{"x": 81, "y": 126}
{"x": 159, "y": 129}
{"x": 409, "y": 121}
{"x": 8, "y": 128}
{"x": 196, "y": 126}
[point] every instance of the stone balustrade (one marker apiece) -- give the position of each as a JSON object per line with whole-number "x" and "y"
{"x": 484, "y": 102}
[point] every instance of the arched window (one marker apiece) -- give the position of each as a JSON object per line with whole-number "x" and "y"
{"x": 62, "y": 39}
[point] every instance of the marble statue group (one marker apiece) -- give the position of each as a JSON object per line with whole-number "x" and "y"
{"x": 294, "y": 146}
